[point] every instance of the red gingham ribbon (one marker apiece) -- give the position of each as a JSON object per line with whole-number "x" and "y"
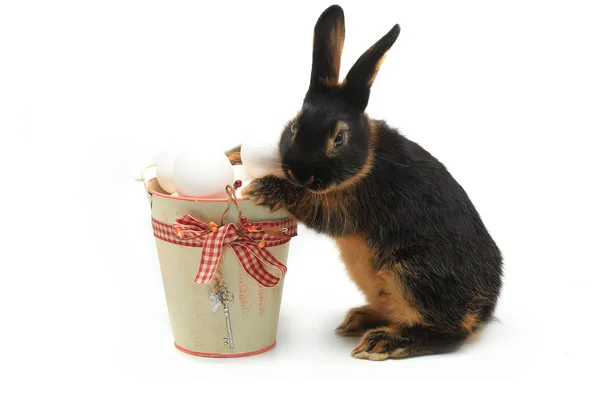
{"x": 188, "y": 231}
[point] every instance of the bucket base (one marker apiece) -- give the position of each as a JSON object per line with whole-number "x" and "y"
{"x": 217, "y": 355}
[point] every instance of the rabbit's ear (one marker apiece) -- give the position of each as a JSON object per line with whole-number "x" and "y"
{"x": 357, "y": 85}
{"x": 328, "y": 42}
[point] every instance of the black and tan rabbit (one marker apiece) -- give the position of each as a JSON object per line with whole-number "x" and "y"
{"x": 408, "y": 234}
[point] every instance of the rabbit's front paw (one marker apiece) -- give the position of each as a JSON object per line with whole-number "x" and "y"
{"x": 268, "y": 191}
{"x": 359, "y": 320}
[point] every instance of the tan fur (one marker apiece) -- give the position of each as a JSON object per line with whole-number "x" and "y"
{"x": 374, "y": 130}
{"x": 365, "y": 355}
{"x": 398, "y": 353}
{"x": 360, "y": 175}
{"x": 378, "y": 356}
{"x": 378, "y": 348}
{"x": 329, "y": 82}
{"x": 376, "y": 353}
{"x": 303, "y": 207}
{"x": 291, "y": 176}
{"x": 469, "y": 322}
{"x": 376, "y": 70}
{"x": 234, "y": 157}
{"x": 337, "y": 45}
{"x": 332, "y": 205}
{"x": 395, "y": 301}
{"x": 357, "y": 257}
{"x": 365, "y": 170}
{"x": 339, "y": 126}
{"x": 382, "y": 289}
{"x": 359, "y": 320}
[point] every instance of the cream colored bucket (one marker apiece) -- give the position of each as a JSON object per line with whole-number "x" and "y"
{"x": 243, "y": 324}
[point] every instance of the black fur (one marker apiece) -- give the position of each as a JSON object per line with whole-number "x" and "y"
{"x": 358, "y": 83}
{"x": 325, "y": 65}
{"x": 314, "y": 128}
{"x": 405, "y": 203}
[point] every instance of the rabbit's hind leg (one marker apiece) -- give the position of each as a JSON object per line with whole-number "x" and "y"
{"x": 396, "y": 341}
{"x": 407, "y": 334}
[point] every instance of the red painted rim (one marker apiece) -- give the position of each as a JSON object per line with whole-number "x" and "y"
{"x": 217, "y": 355}
{"x": 194, "y": 199}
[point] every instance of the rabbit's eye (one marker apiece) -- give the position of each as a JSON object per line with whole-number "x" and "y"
{"x": 339, "y": 139}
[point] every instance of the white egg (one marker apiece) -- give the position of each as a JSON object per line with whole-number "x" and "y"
{"x": 201, "y": 171}
{"x": 240, "y": 172}
{"x": 241, "y": 188}
{"x": 164, "y": 168}
{"x": 260, "y": 153}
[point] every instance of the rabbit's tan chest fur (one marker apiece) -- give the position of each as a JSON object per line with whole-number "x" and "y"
{"x": 356, "y": 256}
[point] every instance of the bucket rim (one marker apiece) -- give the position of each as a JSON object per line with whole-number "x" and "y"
{"x": 225, "y": 355}
{"x": 185, "y": 198}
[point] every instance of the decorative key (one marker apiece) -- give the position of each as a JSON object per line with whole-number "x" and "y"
{"x": 223, "y": 296}
{"x": 229, "y": 339}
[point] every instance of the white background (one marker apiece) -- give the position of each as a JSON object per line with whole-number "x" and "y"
{"x": 506, "y": 94}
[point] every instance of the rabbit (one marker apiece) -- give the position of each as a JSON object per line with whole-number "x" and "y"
{"x": 407, "y": 232}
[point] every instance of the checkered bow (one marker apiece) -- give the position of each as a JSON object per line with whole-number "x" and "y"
{"x": 188, "y": 231}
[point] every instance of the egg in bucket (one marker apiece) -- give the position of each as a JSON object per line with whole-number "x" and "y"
{"x": 222, "y": 258}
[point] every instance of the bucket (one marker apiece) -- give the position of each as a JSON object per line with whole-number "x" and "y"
{"x": 222, "y": 264}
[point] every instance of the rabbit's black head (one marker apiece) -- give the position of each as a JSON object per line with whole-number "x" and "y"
{"x": 328, "y": 143}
